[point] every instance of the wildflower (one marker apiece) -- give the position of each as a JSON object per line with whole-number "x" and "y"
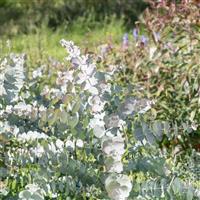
{"x": 144, "y": 40}
{"x": 135, "y": 33}
{"x": 125, "y": 37}
{"x": 92, "y": 90}
{"x": 125, "y": 41}
{"x": 105, "y": 87}
{"x": 65, "y": 77}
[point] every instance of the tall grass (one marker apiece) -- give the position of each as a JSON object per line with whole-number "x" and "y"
{"x": 45, "y": 42}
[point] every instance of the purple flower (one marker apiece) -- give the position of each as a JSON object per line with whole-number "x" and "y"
{"x": 125, "y": 40}
{"x": 144, "y": 40}
{"x": 125, "y": 37}
{"x": 135, "y": 33}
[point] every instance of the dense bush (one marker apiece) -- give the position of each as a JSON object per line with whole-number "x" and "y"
{"x": 78, "y": 134}
{"x": 86, "y": 129}
{"x": 163, "y": 56}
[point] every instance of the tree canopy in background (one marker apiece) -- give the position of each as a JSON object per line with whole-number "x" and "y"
{"x": 24, "y": 16}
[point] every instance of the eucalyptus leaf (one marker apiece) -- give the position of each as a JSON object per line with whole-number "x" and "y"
{"x": 73, "y": 120}
{"x": 25, "y": 195}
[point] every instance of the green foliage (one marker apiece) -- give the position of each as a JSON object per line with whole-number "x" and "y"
{"x": 166, "y": 67}
{"x": 91, "y": 128}
{"x": 23, "y": 17}
{"x": 12, "y": 77}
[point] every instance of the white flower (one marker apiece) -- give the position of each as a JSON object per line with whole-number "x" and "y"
{"x": 97, "y": 124}
{"x": 32, "y": 192}
{"x": 69, "y": 75}
{"x": 88, "y": 69}
{"x": 100, "y": 115}
{"x": 118, "y": 187}
{"x": 92, "y": 80}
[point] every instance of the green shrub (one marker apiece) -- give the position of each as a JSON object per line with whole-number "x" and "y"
{"x": 166, "y": 65}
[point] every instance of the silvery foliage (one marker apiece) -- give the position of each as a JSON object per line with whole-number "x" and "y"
{"x": 118, "y": 186}
{"x": 79, "y": 121}
{"x": 11, "y": 76}
{"x": 81, "y": 90}
{"x": 112, "y": 143}
{"x": 32, "y": 192}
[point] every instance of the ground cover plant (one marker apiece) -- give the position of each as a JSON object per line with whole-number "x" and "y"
{"x": 119, "y": 123}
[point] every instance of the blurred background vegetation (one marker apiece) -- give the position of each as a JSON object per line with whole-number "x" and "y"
{"x": 30, "y": 25}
